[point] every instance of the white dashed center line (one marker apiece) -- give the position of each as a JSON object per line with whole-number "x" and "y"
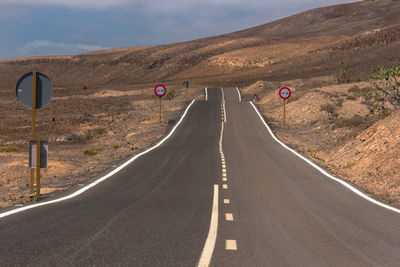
{"x": 229, "y": 216}
{"x": 230, "y": 245}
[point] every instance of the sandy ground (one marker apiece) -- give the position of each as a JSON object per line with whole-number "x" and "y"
{"x": 111, "y": 123}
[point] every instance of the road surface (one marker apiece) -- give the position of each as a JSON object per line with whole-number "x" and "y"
{"x": 273, "y": 208}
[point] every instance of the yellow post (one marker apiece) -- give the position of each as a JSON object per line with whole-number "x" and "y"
{"x": 160, "y": 110}
{"x": 33, "y": 137}
{"x": 284, "y": 113}
{"x": 37, "y": 169}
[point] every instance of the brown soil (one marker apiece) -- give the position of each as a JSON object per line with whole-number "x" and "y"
{"x": 112, "y": 123}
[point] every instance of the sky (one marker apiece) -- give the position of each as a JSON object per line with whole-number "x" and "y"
{"x": 68, "y": 27}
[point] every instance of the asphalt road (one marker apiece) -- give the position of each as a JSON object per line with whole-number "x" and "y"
{"x": 157, "y": 211}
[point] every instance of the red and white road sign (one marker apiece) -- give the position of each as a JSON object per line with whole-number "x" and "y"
{"x": 160, "y": 90}
{"x": 255, "y": 98}
{"x": 285, "y": 93}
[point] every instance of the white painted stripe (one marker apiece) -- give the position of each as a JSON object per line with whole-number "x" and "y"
{"x": 225, "y": 186}
{"x": 223, "y": 166}
{"x": 223, "y": 103}
{"x": 230, "y": 245}
{"x": 206, "y": 97}
{"x": 226, "y": 201}
{"x": 342, "y": 182}
{"x": 220, "y": 137}
{"x": 224, "y": 170}
{"x": 229, "y": 216}
{"x": 105, "y": 177}
{"x": 224, "y": 174}
{"x": 240, "y": 97}
{"x": 224, "y": 179}
{"x": 208, "y": 249}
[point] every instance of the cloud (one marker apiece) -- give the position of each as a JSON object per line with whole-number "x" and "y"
{"x": 169, "y": 5}
{"x": 46, "y": 47}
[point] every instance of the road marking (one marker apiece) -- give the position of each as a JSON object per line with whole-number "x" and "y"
{"x": 224, "y": 179}
{"x": 223, "y": 103}
{"x": 240, "y": 97}
{"x": 226, "y": 201}
{"x": 225, "y": 186}
{"x": 208, "y": 249}
{"x": 224, "y": 170}
{"x": 321, "y": 170}
{"x": 224, "y": 174}
{"x": 105, "y": 177}
{"x": 230, "y": 245}
{"x": 221, "y": 136}
{"x": 206, "y": 94}
{"x": 229, "y": 216}
{"x": 223, "y": 166}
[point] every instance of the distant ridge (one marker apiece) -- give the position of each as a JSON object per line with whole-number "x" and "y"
{"x": 311, "y": 43}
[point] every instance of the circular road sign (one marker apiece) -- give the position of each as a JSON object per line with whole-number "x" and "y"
{"x": 44, "y": 90}
{"x": 160, "y": 90}
{"x": 285, "y": 93}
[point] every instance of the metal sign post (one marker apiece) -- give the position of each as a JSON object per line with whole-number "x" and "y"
{"x": 160, "y": 110}
{"x": 34, "y": 90}
{"x": 37, "y": 169}
{"x": 160, "y": 91}
{"x": 186, "y": 84}
{"x": 285, "y": 94}
{"x": 284, "y": 113}
{"x": 34, "y": 83}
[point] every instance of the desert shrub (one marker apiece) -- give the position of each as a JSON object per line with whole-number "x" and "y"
{"x": 354, "y": 121}
{"x": 89, "y": 152}
{"x": 342, "y": 73}
{"x": 328, "y": 108}
{"x": 96, "y": 133}
{"x": 350, "y": 97}
{"x": 355, "y": 90}
{"x": 116, "y": 146}
{"x": 134, "y": 148}
{"x": 386, "y": 82}
{"x": 8, "y": 149}
{"x": 333, "y": 94}
{"x": 170, "y": 95}
{"x": 339, "y": 102}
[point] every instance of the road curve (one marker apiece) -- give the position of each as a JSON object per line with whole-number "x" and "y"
{"x": 287, "y": 213}
{"x": 274, "y": 208}
{"x": 154, "y": 212}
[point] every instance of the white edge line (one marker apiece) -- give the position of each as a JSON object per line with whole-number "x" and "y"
{"x": 105, "y": 177}
{"x": 208, "y": 249}
{"x": 353, "y": 189}
{"x": 240, "y": 97}
{"x": 206, "y": 93}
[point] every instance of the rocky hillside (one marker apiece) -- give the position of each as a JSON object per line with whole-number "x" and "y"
{"x": 309, "y": 44}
